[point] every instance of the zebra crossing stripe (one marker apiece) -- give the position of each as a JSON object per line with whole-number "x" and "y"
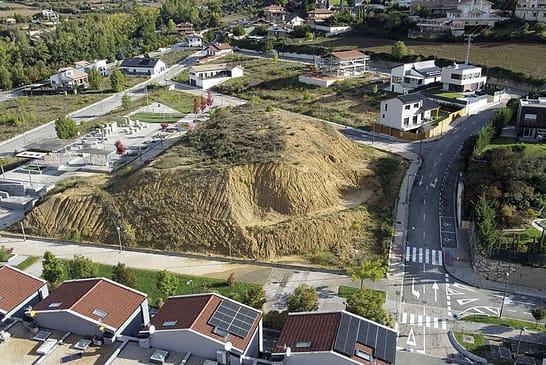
{"x": 419, "y": 320}
{"x": 414, "y": 256}
{"x": 427, "y": 321}
{"x": 404, "y": 317}
{"x": 423, "y": 321}
{"x": 435, "y": 322}
{"x": 420, "y": 254}
{"x": 440, "y": 258}
{"x": 427, "y": 260}
{"x": 444, "y": 324}
{"x": 412, "y": 318}
{"x": 434, "y": 257}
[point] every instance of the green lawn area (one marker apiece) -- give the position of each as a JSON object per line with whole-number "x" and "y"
{"x": 347, "y": 291}
{"x": 512, "y": 323}
{"x": 478, "y": 347}
{"x": 145, "y": 282}
{"x": 445, "y": 94}
{"x": 28, "y": 262}
{"x": 157, "y": 117}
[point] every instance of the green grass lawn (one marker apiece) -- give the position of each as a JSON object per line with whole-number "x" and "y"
{"x": 28, "y": 262}
{"x": 145, "y": 282}
{"x": 478, "y": 347}
{"x": 347, "y": 291}
{"x": 512, "y": 323}
{"x": 157, "y": 117}
{"x": 443, "y": 93}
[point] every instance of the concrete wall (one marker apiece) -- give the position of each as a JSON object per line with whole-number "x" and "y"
{"x": 317, "y": 358}
{"x": 186, "y": 341}
{"x": 65, "y": 321}
{"x": 331, "y": 31}
{"x": 309, "y": 80}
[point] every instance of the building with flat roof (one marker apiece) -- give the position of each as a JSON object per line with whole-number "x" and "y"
{"x": 531, "y": 118}
{"x": 462, "y": 78}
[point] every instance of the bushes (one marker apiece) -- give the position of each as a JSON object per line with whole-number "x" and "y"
{"x": 275, "y": 319}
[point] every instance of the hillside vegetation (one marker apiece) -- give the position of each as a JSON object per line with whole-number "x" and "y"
{"x": 257, "y": 184}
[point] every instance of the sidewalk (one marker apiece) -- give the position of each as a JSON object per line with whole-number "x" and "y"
{"x": 507, "y": 333}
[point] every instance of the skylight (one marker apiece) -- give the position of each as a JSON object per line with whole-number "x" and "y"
{"x": 55, "y": 305}
{"x": 363, "y": 355}
{"x": 99, "y": 313}
{"x": 303, "y": 345}
{"x": 220, "y": 332}
{"x": 168, "y": 323}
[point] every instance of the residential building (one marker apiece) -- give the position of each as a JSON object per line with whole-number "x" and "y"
{"x": 434, "y": 27}
{"x": 275, "y": 13}
{"x": 207, "y": 76}
{"x": 341, "y": 338}
{"x": 185, "y": 28}
{"x": 416, "y": 75}
{"x": 144, "y": 66}
{"x": 50, "y": 15}
{"x": 96, "y": 307}
{"x": 99, "y": 65}
{"x": 207, "y": 325}
{"x": 345, "y": 63}
{"x": 195, "y": 40}
{"x": 404, "y": 3}
{"x": 294, "y": 21}
{"x": 533, "y": 10}
{"x": 279, "y": 31}
{"x": 462, "y": 78}
{"x": 319, "y": 15}
{"x": 69, "y": 78}
{"x": 474, "y": 12}
{"x": 407, "y": 112}
{"x": 436, "y": 7}
{"x": 531, "y": 120}
{"x": 18, "y": 290}
{"x": 218, "y": 50}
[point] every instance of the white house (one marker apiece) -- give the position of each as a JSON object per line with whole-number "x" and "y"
{"x": 218, "y": 50}
{"x": 534, "y": 10}
{"x": 341, "y": 338}
{"x": 195, "y": 40}
{"x": 142, "y": 66}
{"x": 462, "y": 78}
{"x": 68, "y": 78}
{"x": 410, "y": 76}
{"x": 99, "y": 65}
{"x": 407, "y": 112}
{"x": 207, "y": 76}
{"x": 474, "y": 12}
{"x": 95, "y": 307}
{"x": 206, "y": 325}
{"x": 18, "y": 290}
{"x": 295, "y": 21}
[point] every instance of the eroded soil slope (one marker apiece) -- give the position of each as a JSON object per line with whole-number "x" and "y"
{"x": 261, "y": 184}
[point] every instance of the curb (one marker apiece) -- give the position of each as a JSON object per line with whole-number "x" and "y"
{"x": 463, "y": 351}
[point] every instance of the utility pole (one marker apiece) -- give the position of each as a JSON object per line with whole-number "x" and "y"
{"x": 468, "y": 38}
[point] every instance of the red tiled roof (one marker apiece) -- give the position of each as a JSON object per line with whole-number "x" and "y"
{"x": 348, "y": 54}
{"x": 221, "y": 46}
{"x": 318, "y": 328}
{"x": 194, "y": 312}
{"x": 86, "y": 295}
{"x": 273, "y": 7}
{"x": 16, "y": 286}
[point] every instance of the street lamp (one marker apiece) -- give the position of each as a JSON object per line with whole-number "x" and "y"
{"x": 522, "y": 329}
{"x": 190, "y": 282}
{"x": 504, "y": 294}
{"x": 119, "y": 238}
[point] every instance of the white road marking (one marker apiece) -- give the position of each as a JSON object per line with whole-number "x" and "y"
{"x": 420, "y": 254}
{"x": 419, "y": 320}
{"x": 440, "y": 254}
{"x": 461, "y": 286}
{"x": 408, "y": 253}
{"x": 424, "y": 217}
{"x": 466, "y": 301}
{"x": 411, "y": 338}
{"x": 404, "y": 317}
{"x": 427, "y": 321}
{"x": 412, "y": 318}
{"x": 435, "y": 322}
{"x": 414, "y": 257}
{"x": 427, "y": 260}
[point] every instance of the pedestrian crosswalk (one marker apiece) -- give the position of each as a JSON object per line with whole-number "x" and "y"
{"x": 422, "y": 320}
{"x": 424, "y": 255}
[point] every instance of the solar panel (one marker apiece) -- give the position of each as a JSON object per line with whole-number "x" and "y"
{"x": 341, "y": 337}
{"x": 380, "y": 342}
{"x": 233, "y": 318}
{"x": 390, "y": 344}
{"x": 354, "y": 325}
{"x": 363, "y": 334}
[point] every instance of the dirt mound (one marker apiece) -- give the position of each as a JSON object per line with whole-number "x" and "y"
{"x": 254, "y": 183}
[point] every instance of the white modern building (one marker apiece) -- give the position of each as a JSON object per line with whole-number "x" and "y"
{"x": 69, "y": 78}
{"x": 462, "y": 78}
{"x": 99, "y": 65}
{"x": 207, "y": 76}
{"x": 195, "y": 40}
{"x": 144, "y": 66}
{"x": 407, "y": 112}
{"x": 474, "y": 12}
{"x": 410, "y": 76}
{"x": 534, "y": 10}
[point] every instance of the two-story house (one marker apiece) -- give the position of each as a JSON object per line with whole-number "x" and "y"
{"x": 474, "y": 12}
{"x": 209, "y": 75}
{"x": 99, "y": 65}
{"x": 345, "y": 63}
{"x": 407, "y": 112}
{"x": 462, "y": 78}
{"x": 411, "y": 76}
{"x": 184, "y": 28}
{"x": 531, "y": 120}
{"x": 275, "y": 13}
{"x": 69, "y": 78}
{"x": 319, "y": 15}
{"x": 195, "y": 40}
{"x": 533, "y": 10}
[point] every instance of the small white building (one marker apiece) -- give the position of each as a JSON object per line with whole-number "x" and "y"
{"x": 100, "y": 65}
{"x": 462, "y": 78}
{"x": 407, "y": 112}
{"x": 410, "y": 76}
{"x": 144, "y": 66}
{"x": 534, "y": 10}
{"x": 195, "y": 40}
{"x": 68, "y": 78}
{"x": 207, "y": 76}
{"x": 218, "y": 50}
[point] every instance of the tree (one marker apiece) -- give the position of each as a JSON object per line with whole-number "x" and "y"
{"x": 81, "y": 267}
{"x": 164, "y": 125}
{"x": 368, "y": 304}
{"x": 95, "y": 79}
{"x": 538, "y": 314}
{"x": 238, "y": 30}
{"x": 304, "y": 299}
{"x": 486, "y": 228}
{"x": 123, "y": 275}
{"x": 166, "y": 282}
{"x": 210, "y": 99}
{"x": 120, "y": 147}
{"x": 126, "y": 102}
{"x": 399, "y": 50}
{"x": 195, "y": 105}
{"x": 231, "y": 279}
{"x": 203, "y": 104}
{"x": 118, "y": 81}
{"x": 372, "y": 269}
{"x": 66, "y": 127}
{"x": 52, "y": 269}
{"x": 268, "y": 45}
{"x": 253, "y": 296}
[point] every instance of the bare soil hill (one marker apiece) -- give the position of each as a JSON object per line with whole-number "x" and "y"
{"x": 248, "y": 182}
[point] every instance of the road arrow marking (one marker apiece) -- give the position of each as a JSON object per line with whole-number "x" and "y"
{"x": 413, "y": 291}
{"x": 450, "y": 291}
{"x": 461, "y": 286}
{"x": 435, "y": 182}
{"x": 411, "y": 338}
{"x": 435, "y": 287}
{"x": 465, "y": 301}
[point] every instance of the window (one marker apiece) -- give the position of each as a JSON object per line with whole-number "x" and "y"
{"x": 415, "y": 119}
{"x": 383, "y": 116}
{"x": 406, "y": 121}
{"x": 220, "y": 332}
{"x": 100, "y": 313}
{"x": 54, "y": 305}
{"x": 168, "y": 323}
{"x": 363, "y": 355}
{"x": 302, "y": 345}
{"x": 407, "y": 107}
{"x": 386, "y": 106}
{"x": 416, "y": 105}
{"x": 456, "y": 76}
